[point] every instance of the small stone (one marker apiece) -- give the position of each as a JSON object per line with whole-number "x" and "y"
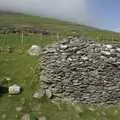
{"x": 8, "y": 78}
{"x": 118, "y": 49}
{"x": 69, "y": 59}
{"x": 70, "y": 37}
{"x": 28, "y": 117}
{"x": 42, "y": 118}
{"x": 4, "y": 116}
{"x": 14, "y": 89}
{"x": 78, "y": 52}
{"x": 43, "y": 77}
{"x": 49, "y": 94}
{"x": 103, "y": 57}
{"x": 63, "y": 46}
{"x": 79, "y": 109}
{"x": 106, "y": 53}
{"x": 109, "y": 46}
{"x": 84, "y": 58}
{"x": 64, "y": 41}
{"x": 92, "y": 109}
{"x": 39, "y": 95}
{"x": 35, "y": 50}
{"x": 112, "y": 59}
{"x": 113, "y": 51}
{"x": 19, "y": 109}
{"x": 50, "y": 50}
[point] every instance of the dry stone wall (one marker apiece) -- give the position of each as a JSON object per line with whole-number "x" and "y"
{"x": 82, "y": 71}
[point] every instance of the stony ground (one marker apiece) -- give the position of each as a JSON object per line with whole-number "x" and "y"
{"x": 82, "y": 71}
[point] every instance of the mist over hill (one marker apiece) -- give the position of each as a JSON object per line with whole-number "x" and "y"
{"x": 70, "y": 10}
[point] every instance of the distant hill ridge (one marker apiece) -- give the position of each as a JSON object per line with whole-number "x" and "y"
{"x": 60, "y": 27}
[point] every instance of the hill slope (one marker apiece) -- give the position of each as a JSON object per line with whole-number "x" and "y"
{"x": 61, "y": 27}
{"x": 17, "y": 67}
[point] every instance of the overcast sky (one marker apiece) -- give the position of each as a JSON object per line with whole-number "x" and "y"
{"x": 72, "y": 10}
{"x": 99, "y": 13}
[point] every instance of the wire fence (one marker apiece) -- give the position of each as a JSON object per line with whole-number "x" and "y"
{"x": 23, "y": 39}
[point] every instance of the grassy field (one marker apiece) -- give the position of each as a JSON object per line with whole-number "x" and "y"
{"x": 21, "y": 69}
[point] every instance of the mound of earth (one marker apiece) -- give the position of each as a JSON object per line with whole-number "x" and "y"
{"x": 82, "y": 71}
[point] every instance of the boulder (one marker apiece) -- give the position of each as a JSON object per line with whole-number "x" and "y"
{"x": 14, "y": 89}
{"x": 34, "y": 50}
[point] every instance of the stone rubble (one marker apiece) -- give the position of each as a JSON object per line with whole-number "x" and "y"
{"x": 82, "y": 71}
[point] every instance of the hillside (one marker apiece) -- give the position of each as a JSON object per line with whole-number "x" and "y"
{"x": 57, "y": 26}
{"x": 17, "y": 33}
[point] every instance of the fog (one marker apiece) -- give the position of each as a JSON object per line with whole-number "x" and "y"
{"x": 69, "y": 10}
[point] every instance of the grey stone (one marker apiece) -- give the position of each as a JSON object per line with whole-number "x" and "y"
{"x": 84, "y": 58}
{"x": 48, "y": 93}
{"x": 43, "y": 78}
{"x": 26, "y": 117}
{"x": 106, "y": 53}
{"x": 35, "y": 50}
{"x": 62, "y": 46}
{"x": 39, "y": 94}
{"x": 14, "y": 89}
{"x": 81, "y": 70}
{"x": 42, "y": 118}
{"x": 8, "y": 78}
{"x": 108, "y": 46}
{"x": 19, "y": 109}
{"x": 118, "y": 49}
{"x": 79, "y": 109}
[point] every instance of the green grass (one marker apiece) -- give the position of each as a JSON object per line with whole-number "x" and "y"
{"x": 20, "y": 67}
